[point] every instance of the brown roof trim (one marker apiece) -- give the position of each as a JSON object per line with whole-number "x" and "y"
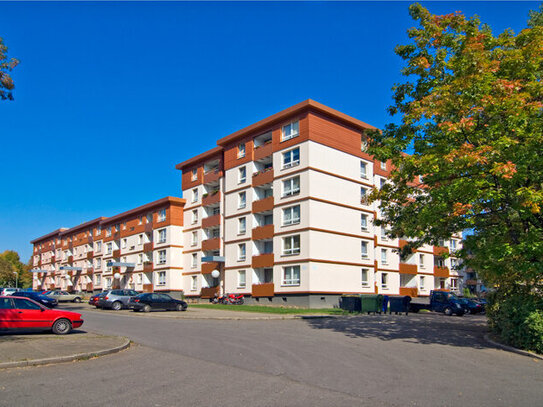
{"x": 82, "y": 226}
{"x": 293, "y": 110}
{"x": 167, "y": 200}
{"x": 48, "y": 235}
{"x": 199, "y": 157}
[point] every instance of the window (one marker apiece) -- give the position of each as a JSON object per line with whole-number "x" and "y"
{"x": 363, "y": 221}
{"x": 291, "y": 158}
{"x": 384, "y": 165}
{"x": 98, "y": 263}
{"x": 453, "y": 245}
{"x": 117, "y": 227}
{"x": 291, "y": 245}
{"x": 421, "y": 261}
{"x": 162, "y": 257}
{"x": 194, "y": 175}
{"x": 162, "y": 215}
{"x": 162, "y": 236}
{"x": 242, "y": 252}
{"x": 382, "y": 182}
{"x": 195, "y": 195}
{"x": 195, "y": 216}
{"x": 149, "y": 218}
{"x": 241, "y": 150}
{"x": 242, "y": 175}
{"x": 98, "y": 279}
{"x": 454, "y": 283}
{"x": 241, "y": 279}
{"x": 194, "y": 261}
{"x": 384, "y": 233}
{"x": 364, "y": 249}
{"x": 124, "y": 225}
{"x": 194, "y": 283}
{"x": 365, "y": 277}
{"x": 25, "y": 304}
{"x": 109, "y": 248}
{"x": 454, "y": 263}
{"x": 384, "y": 280}
{"x": 384, "y": 256}
{"x": 441, "y": 242}
{"x": 123, "y": 244}
{"x": 291, "y": 186}
{"x": 108, "y": 231}
{"x": 161, "y": 278}
{"x": 363, "y": 195}
{"x": 140, "y": 239}
{"x": 289, "y": 131}
{"x": 421, "y": 282}
{"x": 363, "y": 143}
{"x": 108, "y": 282}
{"x": 242, "y": 200}
{"x": 140, "y": 258}
{"x": 242, "y": 226}
{"x": 98, "y": 230}
{"x": 291, "y": 275}
{"x": 194, "y": 238}
{"x": 291, "y": 215}
{"x": 363, "y": 170}
{"x": 140, "y": 220}
{"x": 139, "y": 278}
{"x": 98, "y": 247}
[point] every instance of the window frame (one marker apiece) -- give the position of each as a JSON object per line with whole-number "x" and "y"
{"x": 293, "y": 220}
{"x": 292, "y": 191}
{"x": 293, "y": 251}
{"x": 292, "y": 162}
{"x": 242, "y": 175}
{"x": 292, "y": 281}
{"x": 292, "y": 134}
{"x": 242, "y": 283}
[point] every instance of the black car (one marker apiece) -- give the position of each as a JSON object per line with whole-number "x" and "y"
{"x": 156, "y": 301}
{"x": 42, "y": 299}
{"x": 470, "y": 306}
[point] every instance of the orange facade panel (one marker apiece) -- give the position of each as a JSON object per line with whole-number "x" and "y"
{"x": 263, "y": 260}
{"x": 263, "y": 151}
{"x": 440, "y": 250}
{"x": 209, "y": 292}
{"x": 147, "y": 247}
{"x": 212, "y": 176}
{"x": 263, "y": 205}
{"x": 207, "y": 268}
{"x": 263, "y": 232}
{"x": 211, "y": 221}
{"x": 263, "y": 177}
{"x": 211, "y": 244}
{"x": 408, "y": 268}
{"x": 211, "y": 198}
{"x": 441, "y": 271}
{"x": 410, "y": 291}
{"x": 263, "y": 290}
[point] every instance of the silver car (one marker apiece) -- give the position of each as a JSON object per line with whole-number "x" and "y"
{"x": 64, "y": 296}
{"x": 115, "y": 299}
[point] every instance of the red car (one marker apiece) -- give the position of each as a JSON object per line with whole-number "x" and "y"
{"x": 24, "y": 313}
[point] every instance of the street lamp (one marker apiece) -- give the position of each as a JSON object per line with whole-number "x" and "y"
{"x": 16, "y": 279}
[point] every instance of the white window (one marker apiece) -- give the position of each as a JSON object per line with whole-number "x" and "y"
{"x": 162, "y": 257}
{"x": 162, "y": 215}
{"x": 454, "y": 263}
{"x": 123, "y": 244}
{"x": 421, "y": 261}
{"x": 140, "y": 278}
{"x": 124, "y": 225}
{"x": 363, "y": 195}
{"x": 98, "y": 263}
{"x": 194, "y": 175}
{"x": 364, "y": 249}
{"x": 194, "y": 283}
{"x": 98, "y": 230}
{"x": 382, "y": 182}
{"x": 242, "y": 200}
{"x": 195, "y": 216}
{"x": 140, "y": 239}
{"x": 291, "y": 158}
{"x": 98, "y": 279}
{"x": 162, "y": 236}
{"x": 98, "y": 247}
{"x": 291, "y": 275}
{"x": 242, "y": 175}
{"x": 149, "y": 218}
{"x": 363, "y": 221}
{"x": 140, "y": 220}
{"x": 140, "y": 258}
{"x": 195, "y": 195}
{"x": 194, "y": 238}
{"x": 108, "y": 282}
{"x": 453, "y": 245}
{"x": 161, "y": 278}
{"x": 384, "y": 280}
{"x": 242, "y": 252}
{"x": 291, "y": 186}
{"x": 421, "y": 282}
{"x": 291, "y": 215}
{"x": 241, "y": 279}
{"x": 384, "y": 255}
{"x": 194, "y": 261}
{"x": 454, "y": 283}
{"x": 383, "y": 165}
{"x": 289, "y": 131}
{"x": 241, "y": 150}
{"x": 365, "y": 277}
{"x": 242, "y": 226}
{"x": 291, "y": 245}
{"x": 109, "y": 248}
{"x": 108, "y": 231}
{"x": 363, "y": 170}
{"x": 363, "y": 143}
{"x": 123, "y": 259}
{"x": 384, "y": 233}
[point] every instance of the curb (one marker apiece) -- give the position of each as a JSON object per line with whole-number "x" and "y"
{"x": 512, "y": 349}
{"x": 63, "y": 359}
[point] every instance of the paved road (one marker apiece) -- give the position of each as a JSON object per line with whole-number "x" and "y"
{"x": 419, "y": 360}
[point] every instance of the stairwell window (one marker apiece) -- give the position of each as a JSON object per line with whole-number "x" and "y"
{"x": 194, "y": 175}
{"x": 291, "y": 215}
{"x": 242, "y": 226}
{"x": 365, "y": 277}
{"x": 241, "y": 150}
{"x": 139, "y": 278}
{"x": 363, "y": 221}
{"x": 363, "y": 170}
{"x": 363, "y": 143}
{"x": 384, "y": 280}
{"x": 421, "y": 261}
{"x": 384, "y": 256}
{"x": 289, "y": 131}
{"x": 140, "y": 258}
{"x": 140, "y": 239}
{"x": 291, "y": 245}
{"x": 364, "y": 249}
{"x": 291, "y": 275}
{"x": 242, "y": 200}
{"x": 108, "y": 231}
{"x": 161, "y": 278}
{"x": 162, "y": 236}
{"x": 291, "y": 186}
{"x": 194, "y": 283}
{"x": 242, "y": 175}
{"x": 98, "y": 247}
{"x": 123, "y": 244}
{"x": 194, "y": 260}
{"x": 242, "y": 251}
{"x": 291, "y": 158}
{"x": 242, "y": 279}
{"x": 195, "y": 195}
{"x": 195, "y": 216}
{"x": 421, "y": 282}
{"x": 194, "y": 241}
{"x": 162, "y": 215}
{"x": 363, "y": 195}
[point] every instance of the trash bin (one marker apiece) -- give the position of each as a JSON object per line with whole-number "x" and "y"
{"x": 400, "y": 304}
{"x": 350, "y": 303}
{"x": 385, "y": 303}
{"x": 371, "y": 303}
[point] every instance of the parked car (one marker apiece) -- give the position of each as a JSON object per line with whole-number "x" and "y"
{"x": 42, "y": 299}
{"x": 440, "y": 301}
{"x": 8, "y": 291}
{"x": 25, "y": 313}
{"x": 156, "y": 301}
{"x": 93, "y": 300}
{"x": 63, "y": 296}
{"x": 116, "y": 299}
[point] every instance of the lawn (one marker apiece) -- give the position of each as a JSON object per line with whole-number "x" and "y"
{"x": 270, "y": 309}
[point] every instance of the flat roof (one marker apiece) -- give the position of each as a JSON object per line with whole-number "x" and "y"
{"x": 200, "y": 157}
{"x": 48, "y": 235}
{"x": 82, "y": 225}
{"x": 160, "y": 202}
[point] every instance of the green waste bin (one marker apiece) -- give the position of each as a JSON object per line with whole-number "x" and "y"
{"x": 350, "y": 303}
{"x": 371, "y": 303}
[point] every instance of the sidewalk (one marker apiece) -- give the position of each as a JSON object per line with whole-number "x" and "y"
{"x": 44, "y": 348}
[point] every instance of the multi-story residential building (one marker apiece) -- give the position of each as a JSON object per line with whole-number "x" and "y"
{"x": 139, "y": 249}
{"x": 280, "y": 209}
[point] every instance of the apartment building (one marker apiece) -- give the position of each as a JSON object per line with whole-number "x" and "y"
{"x": 139, "y": 249}
{"x": 279, "y": 209}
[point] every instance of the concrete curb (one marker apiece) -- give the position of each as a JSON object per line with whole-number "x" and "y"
{"x": 68, "y": 358}
{"x": 512, "y": 349}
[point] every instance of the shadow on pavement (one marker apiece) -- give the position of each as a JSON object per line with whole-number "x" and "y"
{"x": 467, "y": 331}
{"x": 11, "y": 335}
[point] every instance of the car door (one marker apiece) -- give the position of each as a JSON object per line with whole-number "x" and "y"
{"x": 167, "y": 301}
{"x": 157, "y": 302}
{"x": 28, "y": 314}
{"x": 7, "y": 314}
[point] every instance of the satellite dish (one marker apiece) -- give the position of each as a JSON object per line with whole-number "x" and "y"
{"x": 117, "y": 276}
{"x": 215, "y": 274}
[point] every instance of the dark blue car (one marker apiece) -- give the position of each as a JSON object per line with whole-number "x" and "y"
{"x": 42, "y": 299}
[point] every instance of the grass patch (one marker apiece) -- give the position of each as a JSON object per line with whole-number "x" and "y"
{"x": 270, "y": 309}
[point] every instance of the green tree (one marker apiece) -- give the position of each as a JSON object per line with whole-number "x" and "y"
{"x": 6, "y": 66}
{"x": 10, "y": 264}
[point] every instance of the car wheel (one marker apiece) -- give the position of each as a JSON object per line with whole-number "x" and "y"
{"x": 77, "y": 299}
{"x": 448, "y": 311}
{"x": 116, "y": 306}
{"x": 468, "y": 311}
{"x": 146, "y": 308}
{"x": 62, "y": 326}
{"x": 179, "y": 307}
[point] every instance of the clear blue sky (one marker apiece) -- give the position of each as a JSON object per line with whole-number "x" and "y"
{"x": 110, "y": 96}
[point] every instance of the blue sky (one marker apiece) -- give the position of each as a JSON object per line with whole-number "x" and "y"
{"x": 110, "y": 96}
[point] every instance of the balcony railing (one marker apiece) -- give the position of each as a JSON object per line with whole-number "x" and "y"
{"x": 211, "y": 198}
{"x": 263, "y": 177}
{"x": 148, "y": 267}
{"x": 410, "y": 291}
{"x": 70, "y": 259}
{"x": 263, "y": 151}
{"x": 209, "y": 292}
{"x": 90, "y": 255}
{"x": 263, "y": 260}
{"x": 148, "y": 227}
{"x": 211, "y": 244}
{"x": 90, "y": 287}
{"x": 212, "y": 176}
{"x": 116, "y": 253}
{"x": 148, "y": 288}
{"x": 207, "y": 268}
{"x": 441, "y": 271}
{"x": 210, "y": 221}
{"x": 263, "y": 232}
{"x": 147, "y": 247}
{"x": 440, "y": 250}
{"x": 408, "y": 268}
{"x": 263, "y": 290}
{"x": 263, "y": 205}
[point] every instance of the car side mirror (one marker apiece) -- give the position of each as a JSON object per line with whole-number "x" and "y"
{"x": 42, "y": 309}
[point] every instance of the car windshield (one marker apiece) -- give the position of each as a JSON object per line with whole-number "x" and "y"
{"x": 452, "y": 297}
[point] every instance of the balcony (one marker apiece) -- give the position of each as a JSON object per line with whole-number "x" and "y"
{"x": 52, "y": 259}
{"x": 209, "y": 292}
{"x": 207, "y": 268}
{"x": 263, "y": 205}
{"x": 90, "y": 270}
{"x": 90, "y": 287}
{"x": 263, "y": 290}
{"x": 212, "y": 176}
{"x": 263, "y": 151}
{"x": 210, "y": 221}
{"x": 116, "y": 253}
{"x": 90, "y": 255}
{"x": 211, "y": 198}
{"x": 263, "y": 232}
{"x": 211, "y": 244}
{"x": 440, "y": 250}
{"x": 148, "y": 267}
{"x": 89, "y": 239}
{"x": 148, "y": 227}
{"x": 147, "y": 247}
{"x": 263, "y": 260}
{"x": 441, "y": 271}
{"x": 410, "y": 291}
{"x": 408, "y": 268}
{"x": 263, "y": 177}
{"x": 70, "y": 259}
{"x": 148, "y": 288}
